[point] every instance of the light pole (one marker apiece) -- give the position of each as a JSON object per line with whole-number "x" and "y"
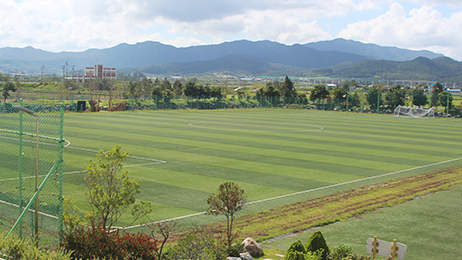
{"x": 30, "y": 112}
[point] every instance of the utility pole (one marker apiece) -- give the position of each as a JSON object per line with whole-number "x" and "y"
{"x": 41, "y": 79}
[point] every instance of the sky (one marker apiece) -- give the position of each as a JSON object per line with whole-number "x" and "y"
{"x": 70, "y": 25}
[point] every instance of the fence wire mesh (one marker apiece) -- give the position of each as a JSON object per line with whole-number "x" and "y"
{"x": 29, "y": 161}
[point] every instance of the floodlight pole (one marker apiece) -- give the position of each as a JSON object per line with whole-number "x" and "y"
{"x": 30, "y": 112}
{"x": 447, "y": 105}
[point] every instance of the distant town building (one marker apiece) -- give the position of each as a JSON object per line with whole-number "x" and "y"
{"x": 98, "y": 71}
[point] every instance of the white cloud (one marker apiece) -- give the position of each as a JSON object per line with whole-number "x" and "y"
{"x": 423, "y": 28}
{"x": 452, "y": 3}
{"x": 284, "y": 27}
{"x": 69, "y": 25}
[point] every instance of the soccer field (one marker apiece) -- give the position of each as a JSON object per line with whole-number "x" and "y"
{"x": 278, "y": 156}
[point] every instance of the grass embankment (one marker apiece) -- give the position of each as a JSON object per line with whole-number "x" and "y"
{"x": 341, "y": 206}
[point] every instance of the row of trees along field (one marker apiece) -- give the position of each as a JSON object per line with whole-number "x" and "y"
{"x": 384, "y": 96}
{"x": 349, "y": 91}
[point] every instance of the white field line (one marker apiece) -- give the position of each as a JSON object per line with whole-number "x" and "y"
{"x": 154, "y": 161}
{"x": 306, "y": 191}
{"x": 31, "y": 210}
{"x": 32, "y": 141}
{"x": 393, "y": 137}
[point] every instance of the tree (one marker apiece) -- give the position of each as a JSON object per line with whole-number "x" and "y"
{"x": 165, "y": 229}
{"x": 316, "y": 242}
{"x": 268, "y": 91}
{"x": 147, "y": 85}
{"x": 296, "y": 246}
{"x": 229, "y": 200}
{"x": 371, "y": 96}
{"x": 192, "y": 89}
{"x": 177, "y": 88}
{"x": 287, "y": 88}
{"x": 7, "y": 87}
{"x": 443, "y": 99}
{"x": 349, "y": 83}
{"x": 436, "y": 90}
{"x": 165, "y": 85}
{"x": 355, "y": 99}
{"x": 340, "y": 93}
{"x": 132, "y": 89}
{"x": 215, "y": 91}
{"x": 319, "y": 92}
{"x": 396, "y": 96}
{"x": 418, "y": 96}
{"x": 111, "y": 192}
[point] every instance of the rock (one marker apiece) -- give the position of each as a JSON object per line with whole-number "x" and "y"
{"x": 252, "y": 247}
{"x": 233, "y": 258}
{"x": 246, "y": 256}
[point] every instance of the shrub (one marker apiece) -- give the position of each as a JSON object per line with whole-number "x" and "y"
{"x": 94, "y": 242}
{"x": 295, "y": 255}
{"x": 15, "y": 248}
{"x": 139, "y": 246}
{"x": 198, "y": 244}
{"x": 317, "y": 242}
{"x": 235, "y": 250}
{"x": 296, "y": 246}
{"x": 340, "y": 252}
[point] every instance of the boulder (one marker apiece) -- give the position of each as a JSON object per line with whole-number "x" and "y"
{"x": 252, "y": 247}
{"x": 246, "y": 256}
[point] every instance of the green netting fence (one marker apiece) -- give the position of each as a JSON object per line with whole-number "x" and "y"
{"x": 353, "y": 102}
{"x": 31, "y": 171}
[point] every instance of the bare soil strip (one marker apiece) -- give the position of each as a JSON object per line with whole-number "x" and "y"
{"x": 341, "y": 206}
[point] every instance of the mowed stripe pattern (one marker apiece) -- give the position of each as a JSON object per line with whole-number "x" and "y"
{"x": 269, "y": 152}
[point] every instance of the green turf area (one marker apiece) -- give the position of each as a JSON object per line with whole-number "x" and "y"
{"x": 182, "y": 156}
{"x": 428, "y": 226}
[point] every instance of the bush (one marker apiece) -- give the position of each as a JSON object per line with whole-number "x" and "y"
{"x": 317, "y": 242}
{"x": 235, "y": 250}
{"x": 16, "y": 248}
{"x": 94, "y": 242}
{"x": 340, "y": 252}
{"x": 296, "y": 246}
{"x": 198, "y": 244}
{"x": 295, "y": 255}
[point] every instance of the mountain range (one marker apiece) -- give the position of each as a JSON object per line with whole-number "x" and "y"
{"x": 325, "y": 58}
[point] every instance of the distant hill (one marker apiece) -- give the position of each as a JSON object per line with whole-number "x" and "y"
{"x": 155, "y": 53}
{"x": 235, "y": 64}
{"x": 244, "y": 57}
{"x": 442, "y": 69}
{"x": 373, "y": 51}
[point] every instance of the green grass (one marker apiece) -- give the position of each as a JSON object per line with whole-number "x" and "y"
{"x": 429, "y": 226}
{"x": 269, "y": 152}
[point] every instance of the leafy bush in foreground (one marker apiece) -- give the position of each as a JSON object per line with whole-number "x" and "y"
{"x": 317, "y": 242}
{"x": 198, "y": 244}
{"x": 94, "y": 242}
{"x": 296, "y": 246}
{"x": 15, "y": 248}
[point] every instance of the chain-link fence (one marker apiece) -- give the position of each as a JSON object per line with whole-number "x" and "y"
{"x": 31, "y": 150}
{"x": 352, "y": 102}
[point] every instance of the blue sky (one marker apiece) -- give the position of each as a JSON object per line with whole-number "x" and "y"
{"x": 69, "y": 25}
